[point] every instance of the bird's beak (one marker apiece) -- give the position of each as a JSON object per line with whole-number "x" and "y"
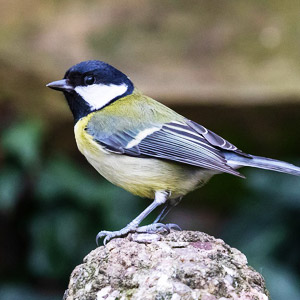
{"x": 61, "y": 85}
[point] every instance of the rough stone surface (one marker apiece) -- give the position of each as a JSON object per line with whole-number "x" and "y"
{"x": 181, "y": 265}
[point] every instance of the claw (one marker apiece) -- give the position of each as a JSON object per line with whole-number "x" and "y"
{"x": 106, "y": 240}
{"x": 173, "y": 226}
{"x": 109, "y": 235}
{"x": 102, "y": 234}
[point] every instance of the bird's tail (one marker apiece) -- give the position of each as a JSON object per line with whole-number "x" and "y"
{"x": 236, "y": 161}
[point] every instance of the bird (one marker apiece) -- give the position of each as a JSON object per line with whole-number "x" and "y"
{"x": 143, "y": 146}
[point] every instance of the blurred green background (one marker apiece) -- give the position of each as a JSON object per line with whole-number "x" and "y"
{"x": 233, "y": 66}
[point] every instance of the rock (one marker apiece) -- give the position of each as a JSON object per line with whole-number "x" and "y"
{"x": 181, "y": 265}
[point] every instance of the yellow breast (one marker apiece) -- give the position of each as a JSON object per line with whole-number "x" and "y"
{"x": 140, "y": 176}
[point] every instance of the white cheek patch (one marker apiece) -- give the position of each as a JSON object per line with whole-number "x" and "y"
{"x": 98, "y": 95}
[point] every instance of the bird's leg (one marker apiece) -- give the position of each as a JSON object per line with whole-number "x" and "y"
{"x": 167, "y": 207}
{"x": 160, "y": 198}
{"x": 163, "y": 212}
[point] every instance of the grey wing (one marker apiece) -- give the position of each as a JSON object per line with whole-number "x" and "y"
{"x": 117, "y": 142}
{"x": 215, "y": 139}
{"x": 173, "y": 141}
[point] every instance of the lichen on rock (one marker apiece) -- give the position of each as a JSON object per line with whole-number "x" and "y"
{"x": 181, "y": 265}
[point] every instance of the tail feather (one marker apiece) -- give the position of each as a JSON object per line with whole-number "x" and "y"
{"x": 236, "y": 161}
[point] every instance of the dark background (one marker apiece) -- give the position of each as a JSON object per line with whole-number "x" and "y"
{"x": 232, "y": 66}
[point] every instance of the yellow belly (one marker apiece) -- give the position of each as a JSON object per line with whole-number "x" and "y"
{"x": 140, "y": 176}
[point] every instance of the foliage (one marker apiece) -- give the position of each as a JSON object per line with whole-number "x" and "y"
{"x": 266, "y": 227}
{"x": 52, "y": 208}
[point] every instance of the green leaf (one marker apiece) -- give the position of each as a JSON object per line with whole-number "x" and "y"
{"x": 10, "y": 187}
{"x": 23, "y": 141}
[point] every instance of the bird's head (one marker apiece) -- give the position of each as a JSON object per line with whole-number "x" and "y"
{"x": 92, "y": 85}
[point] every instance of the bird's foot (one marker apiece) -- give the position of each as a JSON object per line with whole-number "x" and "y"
{"x": 174, "y": 227}
{"x": 152, "y": 233}
{"x": 152, "y": 228}
{"x": 109, "y": 235}
{"x": 158, "y": 228}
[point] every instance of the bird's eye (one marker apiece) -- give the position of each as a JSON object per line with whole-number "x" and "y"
{"x": 89, "y": 79}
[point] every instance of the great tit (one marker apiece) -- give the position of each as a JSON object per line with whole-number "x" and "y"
{"x": 143, "y": 146}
